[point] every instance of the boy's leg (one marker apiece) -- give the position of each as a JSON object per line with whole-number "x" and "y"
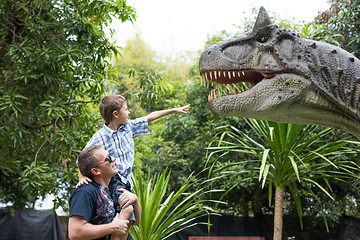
{"x": 125, "y": 213}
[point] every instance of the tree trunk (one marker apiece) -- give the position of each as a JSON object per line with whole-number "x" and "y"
{"x": 278, "y": 215}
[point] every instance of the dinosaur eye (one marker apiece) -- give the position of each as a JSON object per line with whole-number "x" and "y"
{"x": 263, "y": 39}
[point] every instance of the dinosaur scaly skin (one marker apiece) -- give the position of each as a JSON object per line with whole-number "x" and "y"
{"x": 294, "y": 80}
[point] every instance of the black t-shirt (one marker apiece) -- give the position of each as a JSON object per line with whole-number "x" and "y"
{"x": 93, "y": 202}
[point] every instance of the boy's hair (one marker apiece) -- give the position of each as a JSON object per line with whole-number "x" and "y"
{"x": 87, "y": 160}
{"x": 109, "y": 104}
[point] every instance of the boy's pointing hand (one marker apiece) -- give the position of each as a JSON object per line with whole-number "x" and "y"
{"x": 183, "y": 109}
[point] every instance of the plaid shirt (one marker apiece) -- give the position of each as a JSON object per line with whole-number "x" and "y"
{"x": 120, "y": 144}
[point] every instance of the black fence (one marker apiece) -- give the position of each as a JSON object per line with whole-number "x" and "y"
{"x": 30, "y": 225}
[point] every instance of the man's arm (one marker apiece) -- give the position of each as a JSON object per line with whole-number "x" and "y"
{"x": 80, "y": 228}
{"x": 158, "y": 114}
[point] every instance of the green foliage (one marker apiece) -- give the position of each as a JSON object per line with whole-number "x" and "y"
{"x": 52, "y": 66}
{"x": 290, "y": 156}
{"x": 152, "y": 87}
{"x": 164, "y": 214}
{"x": 341, "y": 26}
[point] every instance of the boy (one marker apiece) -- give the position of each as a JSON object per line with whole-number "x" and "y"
{"x": 116, "y": 136}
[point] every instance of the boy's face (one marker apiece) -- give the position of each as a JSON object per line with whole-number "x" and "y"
{"x": 123, "y": 114}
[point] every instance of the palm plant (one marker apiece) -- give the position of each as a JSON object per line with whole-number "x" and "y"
{"x": 163, "y": 216}
{"x": 290, "y": 156}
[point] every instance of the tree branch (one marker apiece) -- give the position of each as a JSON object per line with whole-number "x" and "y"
{"x": 21, "y": 7}
{"x": 131, "y": 89}
{"x": 75, "y": 102}
{"x": 31, "y": 126}
{"x": 47, "y": 138}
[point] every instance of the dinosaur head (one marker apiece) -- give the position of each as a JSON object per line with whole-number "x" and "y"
{"x": 272, "y": 73}
{"x": 264, "y": 60}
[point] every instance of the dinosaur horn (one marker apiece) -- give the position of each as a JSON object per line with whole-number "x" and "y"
{"x": 262, "y": 20}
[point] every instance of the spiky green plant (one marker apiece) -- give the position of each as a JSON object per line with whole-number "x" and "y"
{"x": 164, "y": 214}
{"x": 289, "y": 154}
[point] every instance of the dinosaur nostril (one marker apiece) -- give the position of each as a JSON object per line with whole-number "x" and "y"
{"x": 209, "y": 52}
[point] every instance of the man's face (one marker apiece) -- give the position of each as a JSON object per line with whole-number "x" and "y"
{"x": 123, "y": 114}
{"x": 103, "y": 164}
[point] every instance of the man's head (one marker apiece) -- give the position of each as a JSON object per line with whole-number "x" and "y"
{"x": 94, "y": 162}
{"x": 109, "y": 105}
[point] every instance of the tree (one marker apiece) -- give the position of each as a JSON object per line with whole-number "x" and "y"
{"x": 292, "y": 157}
{"x": 53, "y": 65}
{"x": 340, "y": 25}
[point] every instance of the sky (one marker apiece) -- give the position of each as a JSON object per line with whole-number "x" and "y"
{"x": 172, "y": 26}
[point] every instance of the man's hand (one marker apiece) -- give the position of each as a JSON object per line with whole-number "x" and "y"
{"x": 119, "y": 226}
{"x": 126, "y": 198}
{"x": 183, "y": 109}
{"x": 83, "y": 180}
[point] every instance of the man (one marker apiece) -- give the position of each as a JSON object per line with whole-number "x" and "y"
{"x": 92, "y": 212}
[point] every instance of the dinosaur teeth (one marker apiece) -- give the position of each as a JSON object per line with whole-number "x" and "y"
{"x": 225, "y": 89}
{"x": 216, "y": 81}
{"x": 217, "y": 75}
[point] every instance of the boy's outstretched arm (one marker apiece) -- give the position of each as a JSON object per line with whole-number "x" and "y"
{"x": 158, "y": 114}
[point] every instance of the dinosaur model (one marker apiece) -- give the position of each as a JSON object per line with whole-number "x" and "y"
{"x": 294, "y": 80}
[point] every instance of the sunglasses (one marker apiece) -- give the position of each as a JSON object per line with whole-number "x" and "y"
{"x": 107, "y": 159}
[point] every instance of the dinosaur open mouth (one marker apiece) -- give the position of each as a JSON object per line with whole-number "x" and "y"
{"x": 231, "y": 82}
